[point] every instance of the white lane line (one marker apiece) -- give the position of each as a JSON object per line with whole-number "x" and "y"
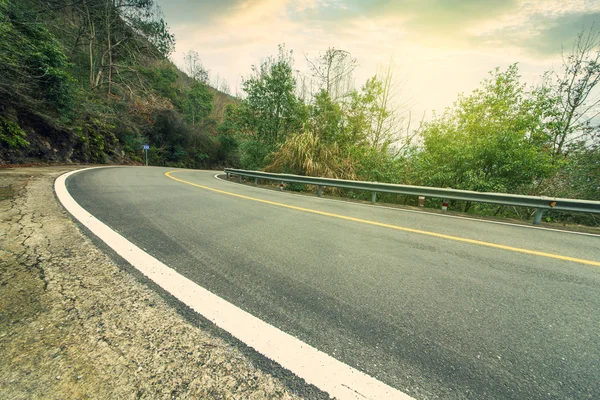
{"x": 541, "y": 228}
{"x": 314, "y": 366}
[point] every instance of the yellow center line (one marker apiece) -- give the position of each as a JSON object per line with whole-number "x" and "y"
{"x": 396, "y": 227}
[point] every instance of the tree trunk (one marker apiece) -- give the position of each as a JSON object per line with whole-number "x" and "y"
{"x": 467, "y": 206}
{"x": 108, "y": 44}
{"x": 92, "y": 37}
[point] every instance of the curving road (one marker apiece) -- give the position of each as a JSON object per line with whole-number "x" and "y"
{"x": 435, "y": 306}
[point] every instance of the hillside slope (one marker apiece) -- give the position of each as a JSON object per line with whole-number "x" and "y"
{"x": 90, "y": 81}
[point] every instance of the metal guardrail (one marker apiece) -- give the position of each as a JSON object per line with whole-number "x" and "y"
{"x": 540, "y": 203}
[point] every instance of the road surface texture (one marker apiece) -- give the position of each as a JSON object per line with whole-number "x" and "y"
{"x": 434, "y": 316}
{"x": 73, "y": 325}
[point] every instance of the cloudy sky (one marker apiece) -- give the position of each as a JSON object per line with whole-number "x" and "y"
{"x": 441, "y": 47}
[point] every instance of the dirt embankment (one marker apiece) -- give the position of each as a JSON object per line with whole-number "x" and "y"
{"x": 75, "y": 325}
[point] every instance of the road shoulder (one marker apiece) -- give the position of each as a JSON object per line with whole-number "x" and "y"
{"x": 75, "y": 325}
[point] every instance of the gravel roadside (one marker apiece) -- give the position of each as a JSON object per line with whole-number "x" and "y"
{"x": 75, "y": 325}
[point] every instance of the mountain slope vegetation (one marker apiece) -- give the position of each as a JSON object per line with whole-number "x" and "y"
{"x": 90, "y": 81}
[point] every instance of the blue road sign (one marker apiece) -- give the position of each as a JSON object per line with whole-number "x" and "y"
{"x": 146, "y": 147}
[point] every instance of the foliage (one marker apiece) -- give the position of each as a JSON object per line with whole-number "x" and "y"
{"x": 254, "y": 154}
{"x": 147, "y": 21}
{"x": 198, "y": 102}
{"x": 11, "y": 134}
{"x": 326, "y": 118}
{"x": 362, "y": 113}
{"x": 91, "y": 79}
{"x": 580, "y": 175}
{"x": 374, "y": 165}
{"x": 268, "y": 115}
{"x": 272, "y": 109}
{"x": 162, "y": 78}
{"x": 32, "y": 62}
{"x": 488, "y": 142}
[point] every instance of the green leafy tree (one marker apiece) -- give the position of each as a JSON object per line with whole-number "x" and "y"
{"x": 113, "y": 34}
{"x": 491, "y": 140}
{"x": 273, "y": 109}
{"x": 580, "y": 177}
{"x": 161, "y": 79}
{"x": 234, "y": 129}
{"x": 363, "y": 111}
{"x": 198, "y": 102}
{"x": 326, "y": 118}
{"x": 268, "y": 114}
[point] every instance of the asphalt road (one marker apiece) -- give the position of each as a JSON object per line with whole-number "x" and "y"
{"x": 434, "y": 317}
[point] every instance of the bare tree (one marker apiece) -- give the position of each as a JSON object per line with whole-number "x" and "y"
{"x": 215, "y": 81}
{"x": 224, "y": 87}
{"x": 303, "y": 90}
{"x": 393, "y": 116}
{"x": 193, "y": 66}
{"x": 578, "y": 103}
{"x": 333, "y": 71}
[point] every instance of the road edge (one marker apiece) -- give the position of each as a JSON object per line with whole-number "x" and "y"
{"x": 315, "y": 367}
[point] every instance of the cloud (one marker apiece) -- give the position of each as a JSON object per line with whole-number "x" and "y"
{"x": 202, "y": 12}
{"x": 534, "y": 27}
{"x": 565, "y": 29}
{"x": 442, "y": 17}
{"x": 193, "y": 12}
{"x": 432, "y": 16}
{"x": 541, "y": 35}
{"x": 442, "y": 46}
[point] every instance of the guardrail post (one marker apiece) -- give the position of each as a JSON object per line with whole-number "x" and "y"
{"x": 374, "y": 197}
{"x": 537, "y": 219}
{"x": 256, "y": 181}
{"x": 239, "y": 178}
{"x": 227, "y": 173}
{"x": 320, "y": 191}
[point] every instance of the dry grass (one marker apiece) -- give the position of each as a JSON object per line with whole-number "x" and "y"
{"x": 306, "y": 154}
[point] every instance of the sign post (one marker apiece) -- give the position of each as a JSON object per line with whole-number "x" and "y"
{"x": 146, "y": 148}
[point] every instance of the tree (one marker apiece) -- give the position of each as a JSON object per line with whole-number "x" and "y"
{"x": 193, "y": 67}
{"x": 146, "y": 19}
{"x": 274, "y": 110}
{"x": 326, "y": 118}
{"x": 489, "y": 140}
{"x": 577, "y": 106}
{"x": 360, "y": 110}
{"x": 333, "y": 71}
{"x": 393, "y": 116}
{"x": 198, "y": 103}
{"x": 114, "y": 33}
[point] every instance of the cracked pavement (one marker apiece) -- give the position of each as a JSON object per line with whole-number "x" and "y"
{"x": 75, "y": 325}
